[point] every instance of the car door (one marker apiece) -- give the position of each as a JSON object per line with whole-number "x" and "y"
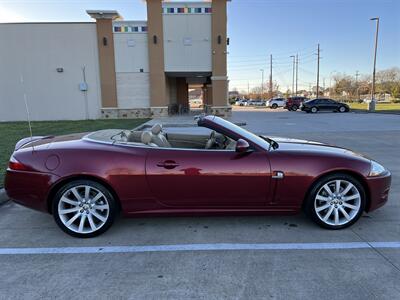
{"x": 332, "y": 105}
{"x": 208, "y": 178}
{"x": 323, "y": 104}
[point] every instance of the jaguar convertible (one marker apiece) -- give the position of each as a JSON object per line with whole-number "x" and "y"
{"x": 215, "y": 168}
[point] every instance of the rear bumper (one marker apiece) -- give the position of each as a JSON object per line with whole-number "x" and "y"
{"x": 379, "y": 190}
{"x": 29, "y": 189}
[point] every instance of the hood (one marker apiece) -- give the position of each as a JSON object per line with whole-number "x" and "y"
{"x": 291, "y": 140}
{"x": 298, "y": 145}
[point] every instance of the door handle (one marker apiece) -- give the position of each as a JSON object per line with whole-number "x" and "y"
{"x": 278, "y": 175}
{"x": 168, "y": 164}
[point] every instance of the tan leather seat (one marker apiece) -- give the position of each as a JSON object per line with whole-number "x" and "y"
{"x": 135, "y": 136}
{"x": 158, "y": 137}
{"x": 146, "y": 138}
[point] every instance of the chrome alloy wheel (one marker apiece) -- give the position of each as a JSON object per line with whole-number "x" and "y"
{"x": 337, "y": 202}
{"x": 83, "y": 209}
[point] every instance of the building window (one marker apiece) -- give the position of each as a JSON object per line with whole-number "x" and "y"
{"x": 186, "y": 10}
{"x": 144, "y": 28}
{"x": 117, "y": 28}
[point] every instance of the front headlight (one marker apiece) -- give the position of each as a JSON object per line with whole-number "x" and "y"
{"x": 376, "y": 169}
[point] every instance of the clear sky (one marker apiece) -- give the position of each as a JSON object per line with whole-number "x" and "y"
{"x": 258, "y": 28}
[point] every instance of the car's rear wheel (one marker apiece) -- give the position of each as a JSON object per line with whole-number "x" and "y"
{"x": 336, "y": 201}
{"x": 84, "y": 208}
{"x": 314, "y": 109}
{"x": 342, "y": 109}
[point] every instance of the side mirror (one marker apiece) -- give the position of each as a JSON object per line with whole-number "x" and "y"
{"x": 242, "y": 146}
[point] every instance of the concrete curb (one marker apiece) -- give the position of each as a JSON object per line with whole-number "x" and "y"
{"x": 374, "y": 112}
{"x": 3, "y": 196}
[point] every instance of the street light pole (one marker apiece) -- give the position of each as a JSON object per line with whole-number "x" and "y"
{"x": 372, "y": 104}
{"x": 262, "y": 82}
{"x": 294, "y": 57}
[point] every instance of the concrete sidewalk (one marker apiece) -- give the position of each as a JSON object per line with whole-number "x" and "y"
{"x": 3, "y": 196}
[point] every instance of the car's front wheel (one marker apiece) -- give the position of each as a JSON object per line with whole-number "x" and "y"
{"x": 294, "y": 107}
{"x": 342, "y": 109}
{"x": 336, "y": 201}
{"x": 274, "y": 106}
{"x": 84, "y": 208}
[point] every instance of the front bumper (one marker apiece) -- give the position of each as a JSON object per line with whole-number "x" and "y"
{"x": 379, "y": 187}
{"x": 29, "y": 189}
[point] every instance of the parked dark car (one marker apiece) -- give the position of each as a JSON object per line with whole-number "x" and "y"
{"x": 324, "y": 104}
{"x": 216, "y": 168}
{"x": 294, "y": 103}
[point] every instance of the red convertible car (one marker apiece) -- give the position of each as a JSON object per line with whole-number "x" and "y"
{"x": 86, "y": 179}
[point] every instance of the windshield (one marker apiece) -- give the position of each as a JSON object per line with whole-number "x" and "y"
{"x": 243, "y": 132}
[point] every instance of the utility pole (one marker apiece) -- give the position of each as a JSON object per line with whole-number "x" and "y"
{"x": 262, "y": 82}
{"x": 318, "y": 71}
{"x": 248, "y": 89}
{"x": 357, "y": 74}
{"x": 297, "y": 70}
{"x": 294, "y": 57}
{"x": 371, "y": 106}
{"x": 270, "y": 79}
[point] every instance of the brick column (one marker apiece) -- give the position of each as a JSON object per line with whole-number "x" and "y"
{"x": 105, "y": 44}
{"x": 158, "y": 90}
{"x": 219, "y": 77}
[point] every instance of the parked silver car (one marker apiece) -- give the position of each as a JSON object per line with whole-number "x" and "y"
{"x": 276, "y": 102}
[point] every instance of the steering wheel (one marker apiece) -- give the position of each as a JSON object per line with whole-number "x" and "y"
{"x": 211, "y": 140}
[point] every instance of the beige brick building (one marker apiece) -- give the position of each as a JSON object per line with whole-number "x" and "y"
{"x": 116, "y": 68}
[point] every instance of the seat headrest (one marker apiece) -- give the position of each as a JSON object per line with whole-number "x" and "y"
{"x": 156, "y": 129}
{"x": 146, "y": 137}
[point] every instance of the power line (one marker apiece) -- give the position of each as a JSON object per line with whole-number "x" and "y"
{"x": 279, "y": 54}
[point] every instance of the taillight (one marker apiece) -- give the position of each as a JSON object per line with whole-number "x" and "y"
{"x": 14, "y": 164}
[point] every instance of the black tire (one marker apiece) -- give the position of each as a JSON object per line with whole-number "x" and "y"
{"x": 314, "y": 109}
{"x": 342, "y": 109}
{"x": 309, "y": 206}
{"x": 294, "y": 108}
{"x": 108, "y": 197}
{"x": 274, "y": 106}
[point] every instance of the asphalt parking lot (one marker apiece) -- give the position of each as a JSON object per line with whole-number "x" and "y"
{"x": 340, "y": 273}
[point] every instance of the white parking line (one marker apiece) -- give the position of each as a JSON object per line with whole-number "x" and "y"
{"x": 199, "y": 247}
